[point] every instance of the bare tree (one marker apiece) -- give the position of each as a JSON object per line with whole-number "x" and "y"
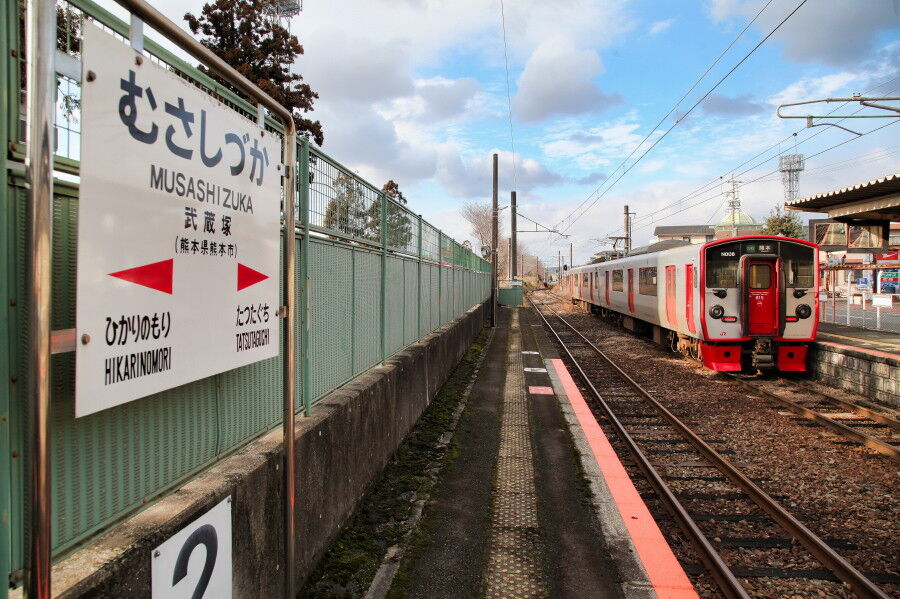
{"x": 479, "y": 216}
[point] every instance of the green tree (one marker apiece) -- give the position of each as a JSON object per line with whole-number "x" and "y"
{"x": 241, "y": 33}
{"x": 783, "y": 223}
{"x": 399, "y": 225}
{"x": 346, "y": 211}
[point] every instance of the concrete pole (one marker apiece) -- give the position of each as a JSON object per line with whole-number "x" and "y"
{"x": 627, "y": 231}
{"x": 558, "y": 265}
{"x": 570, "y": 257}
{"x": 494, "y": 235}
{"x": 513, "y": 247}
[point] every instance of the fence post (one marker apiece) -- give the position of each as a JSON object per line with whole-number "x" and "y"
{"x": 419, "y": 292}
{"x": 306, "y": 288}
{"x": 849, "y": 297}
{"x": 440, "y": 279}
{"x": 383, "y": 232}
{"x": 40, "y": 35}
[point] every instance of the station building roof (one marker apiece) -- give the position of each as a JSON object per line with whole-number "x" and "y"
{"x": 878, "y": 199}
{"x": 684, "y": 230}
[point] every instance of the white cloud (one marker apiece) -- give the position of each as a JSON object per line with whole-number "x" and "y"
{"x": 743, "y": 105}
{"x": 838, "y": 32}
{"x": 471, "y": 176}
{"x": 658, "y": 27}
{"x": 594, "y": 147}
{"x": 558, "y": 80}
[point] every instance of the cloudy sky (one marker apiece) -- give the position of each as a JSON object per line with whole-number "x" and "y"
{"x": 416, "y": 91}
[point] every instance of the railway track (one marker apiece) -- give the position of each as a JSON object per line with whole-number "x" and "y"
{"x": 876, "y": 430}
{"x": 731, "y": 523}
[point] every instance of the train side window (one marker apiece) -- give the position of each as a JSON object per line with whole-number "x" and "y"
{"x": 617, "y": 281}
{"x": 647, "y": 281}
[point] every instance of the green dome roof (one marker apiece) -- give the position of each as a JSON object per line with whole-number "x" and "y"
{"x": 742, "y": 219}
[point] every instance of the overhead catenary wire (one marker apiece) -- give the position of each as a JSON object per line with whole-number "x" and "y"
{"x": 676, "y": 104}
{"x": 577, "y": 214}
{"x": 512, "y": 138}
{"x": 716, "y": 181}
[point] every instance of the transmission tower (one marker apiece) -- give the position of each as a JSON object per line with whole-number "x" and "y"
{"x": 282, "y": 11}
{"x": 734, "y": 204}
{"x": 790, "y": 166}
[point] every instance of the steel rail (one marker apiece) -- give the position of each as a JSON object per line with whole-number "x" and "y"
{"x": 841, "y": 568}
{"x": 879, "y": 417}
{"x": 718, "y": 569}
{"x": 865, "y": 439}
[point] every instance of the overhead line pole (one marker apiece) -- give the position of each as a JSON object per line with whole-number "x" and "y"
{"x": 513, "y": 247}
{"x": 494, "y": 235}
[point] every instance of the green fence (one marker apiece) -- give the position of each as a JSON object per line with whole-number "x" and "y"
{"x": 375, "y": 287}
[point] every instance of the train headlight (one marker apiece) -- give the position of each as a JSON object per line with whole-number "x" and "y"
{"x": 803, "y": 311}
{"x": 716, "y": 312}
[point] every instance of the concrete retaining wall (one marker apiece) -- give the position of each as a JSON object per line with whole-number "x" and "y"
{"x": 341, "y": 448}
{"x": 874, "y": 375}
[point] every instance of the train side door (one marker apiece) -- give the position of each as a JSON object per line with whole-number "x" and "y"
{"x": 689, "y": 297}
{"x": 606, "y": 285}
{"x": 761, "y": 297}
{"x": 671, "y": 314}
{"x": 592, "y": 286}
{"x": 631, "y": 290}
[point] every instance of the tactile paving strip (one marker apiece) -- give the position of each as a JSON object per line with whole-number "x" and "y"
{"x": 514, "y": 562}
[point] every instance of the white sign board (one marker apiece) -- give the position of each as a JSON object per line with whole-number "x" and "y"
{"x": 195, "y": 562}
{"x": 883, "y": 301}
{"x": 178, "y": 232}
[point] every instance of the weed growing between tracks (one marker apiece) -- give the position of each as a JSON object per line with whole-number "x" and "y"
{"x": 381, "y": 520}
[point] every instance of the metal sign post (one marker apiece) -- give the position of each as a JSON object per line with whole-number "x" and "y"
{"x": 41, "y": 34}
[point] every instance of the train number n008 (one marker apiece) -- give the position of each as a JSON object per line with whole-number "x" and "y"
{"x": 196, "y": 561}
{"x": 731, "y": 254}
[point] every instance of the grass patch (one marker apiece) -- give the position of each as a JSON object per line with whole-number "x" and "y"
{"x": 380, "y": 521}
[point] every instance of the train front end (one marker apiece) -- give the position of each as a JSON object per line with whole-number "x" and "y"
{"x": 759, "y": 303}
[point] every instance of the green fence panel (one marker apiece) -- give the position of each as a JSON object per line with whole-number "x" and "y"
{"x": 411, "y": 312}
{"x": 330, "y": 271}
{"x": 393, "y": 316}
{"x": 367, "y": 309}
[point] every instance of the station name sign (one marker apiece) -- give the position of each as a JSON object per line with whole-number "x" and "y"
{"x": 178, "y": 231}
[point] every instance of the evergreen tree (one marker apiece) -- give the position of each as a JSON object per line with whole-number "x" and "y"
{"x": 346, "y": 211}
{"x": 785, "y": 224}
{"x": 241, "y": 33}
{"x": 399, "y": 224}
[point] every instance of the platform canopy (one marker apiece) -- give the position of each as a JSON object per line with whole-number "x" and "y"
{"x": 877, "y": 200}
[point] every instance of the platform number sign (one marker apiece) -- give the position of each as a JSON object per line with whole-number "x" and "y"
{"x": 195, "y": 563}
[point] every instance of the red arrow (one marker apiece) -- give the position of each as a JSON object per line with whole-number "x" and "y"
{"x": 155, "y": 276}
{"x": 246, "y": 276}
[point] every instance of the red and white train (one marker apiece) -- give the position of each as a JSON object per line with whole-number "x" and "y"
{"x": 734, "y": 303}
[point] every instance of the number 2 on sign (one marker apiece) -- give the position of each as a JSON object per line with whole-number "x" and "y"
{"x": 195, "y": 563}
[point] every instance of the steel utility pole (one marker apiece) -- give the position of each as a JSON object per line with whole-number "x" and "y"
{"x": 494, "y": 235}
{"x": 558, "y": 265}
{"x": 570, "y": 256}
{"x": 513, "y": 248}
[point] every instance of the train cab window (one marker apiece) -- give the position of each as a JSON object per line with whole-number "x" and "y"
{"x": 617, "y": 279}
{"x": 722, "y": 265}
{"x": 797, "y": 261}
{"x": 760, "y": 276}
{"x": 647, "y": 281}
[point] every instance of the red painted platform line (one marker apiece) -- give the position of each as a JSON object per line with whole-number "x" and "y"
{"x": 665, "y": 573}
{"x": 864, "y": 350}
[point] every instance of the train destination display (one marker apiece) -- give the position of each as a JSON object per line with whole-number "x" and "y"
{"x": 178, "y": 231}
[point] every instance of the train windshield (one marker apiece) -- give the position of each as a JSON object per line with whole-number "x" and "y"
{"x": 723, "y": 261}
{"x": 797, "y": 262}
{"x": 722, "y": 265}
